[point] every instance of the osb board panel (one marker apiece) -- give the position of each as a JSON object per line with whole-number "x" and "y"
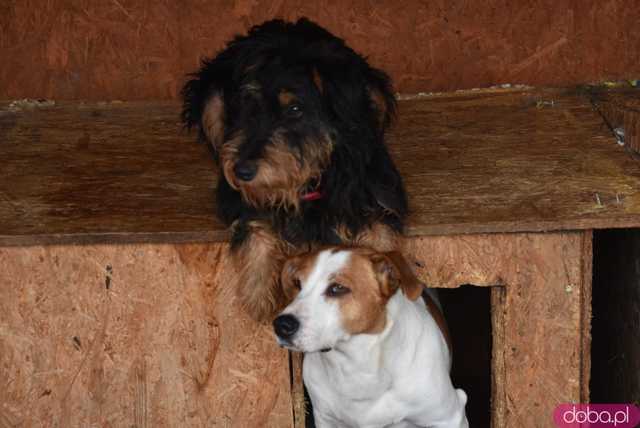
{"x": 540, "y": 328}
{"x": 616, "y": 308}
{"x": 141, "y": 49}
{"x": 486, "y": 161}
{"x": 145, "y": 336}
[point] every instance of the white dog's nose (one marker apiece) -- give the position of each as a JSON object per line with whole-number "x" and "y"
{"x": 286, "y": 326}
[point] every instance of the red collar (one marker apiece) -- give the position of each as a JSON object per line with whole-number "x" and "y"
{"x": 312, "y": 196}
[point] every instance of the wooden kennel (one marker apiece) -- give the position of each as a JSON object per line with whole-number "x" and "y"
{"x": 116, "y": 307}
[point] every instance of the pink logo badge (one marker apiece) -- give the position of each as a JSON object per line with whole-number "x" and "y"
{"x": 597, "y": 416}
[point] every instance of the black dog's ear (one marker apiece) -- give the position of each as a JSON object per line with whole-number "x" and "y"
{"x": 361, "y": 97}
{"x": 204, "y": 94}
{"x": 382, "y": 97}
{"x": 203, "y": 101}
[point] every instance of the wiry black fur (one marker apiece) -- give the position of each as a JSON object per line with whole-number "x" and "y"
{"x": 361, "y": 185}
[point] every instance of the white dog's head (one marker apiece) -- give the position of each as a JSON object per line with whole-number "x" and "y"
{"x": 339, "y": 292}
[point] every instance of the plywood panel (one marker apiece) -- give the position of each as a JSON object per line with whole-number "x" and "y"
{"x": 140, "y": 335}
{"x": 141, "y": 49}
{"x": 541, "y": 327}
{"x": 487, "y": 161}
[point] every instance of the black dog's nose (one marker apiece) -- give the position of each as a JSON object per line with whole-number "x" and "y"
{"x": 245, "y": 171}
{"x": 286, "y": 326}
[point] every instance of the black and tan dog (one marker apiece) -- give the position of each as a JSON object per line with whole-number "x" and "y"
{"x": 296, "y": 120}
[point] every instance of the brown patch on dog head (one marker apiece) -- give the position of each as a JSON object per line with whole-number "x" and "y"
{"x": 317, "y": 80}
{"x": 294, "y": 271}
{"x": 229, "y": 157}
{"x": 282, "y": 171}
{"x": 393, "y": 272}
{"x": 380, "y": 105}
{"x": 364, "y": 308}
{"x": 286, "y": 98}
{"x": 213, "y": 121}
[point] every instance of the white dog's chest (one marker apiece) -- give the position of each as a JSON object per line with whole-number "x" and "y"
{"x": 399, "y": 379}
{"x": 358, "y": 399}
{"x": 387, "y": 410}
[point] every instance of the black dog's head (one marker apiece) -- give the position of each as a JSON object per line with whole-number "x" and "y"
{"x": 283, "y": 105}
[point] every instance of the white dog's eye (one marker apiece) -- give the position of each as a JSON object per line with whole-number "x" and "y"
{"x": 296, "y": 284}
{"x": 335, "y": 290}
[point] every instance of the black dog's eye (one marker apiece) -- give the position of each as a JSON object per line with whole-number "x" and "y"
{"x": 294, "y": 110}
{"x": 336, "y": 290}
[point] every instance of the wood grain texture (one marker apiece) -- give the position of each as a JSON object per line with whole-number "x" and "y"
{"x": 540, "y": 334}
{"x": 141, "y": 49}
{"x": 498, "y": 354}
{"x": 97, "y": 173}
{"x": 586, "y": 303}
{"x": 133, "y": 335}
{"x": 544, "y": 334}
{"x": 297, "y": 391}
{"x": 486, "y": 161}
{"x": 621, "y": 110}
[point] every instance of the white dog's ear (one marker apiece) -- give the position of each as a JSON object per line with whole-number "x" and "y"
{"x": 289, "y": 279}
{"x": 393, "y": 272}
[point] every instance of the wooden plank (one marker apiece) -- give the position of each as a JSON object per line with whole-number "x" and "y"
{"x": 133, "y": 335}
{"x": 297, "y": 391}
{"x": 479, "y": 161}
{"x": 544, "y": 336}
{"x": 104, "y": 173}
{"x": 586, "y": 260}
{"x": 540, "y": 334}
{"x": 498, "y": 365}
{"x": 621, "y": 109}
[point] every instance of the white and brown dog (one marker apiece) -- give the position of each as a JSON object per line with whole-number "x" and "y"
{"x": 376, "y": 355}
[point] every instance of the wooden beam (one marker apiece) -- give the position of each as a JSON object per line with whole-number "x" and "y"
{"x": 473, "y": 162}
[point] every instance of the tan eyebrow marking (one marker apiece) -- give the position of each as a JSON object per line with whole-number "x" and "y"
{"x": 286, "y": 97}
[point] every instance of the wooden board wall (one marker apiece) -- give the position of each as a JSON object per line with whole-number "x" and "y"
{"x": 141, "y": 49}
{"x": 151, "y": 335}
{"x": 138, "y": 335}
{"x": 541, "y": 298}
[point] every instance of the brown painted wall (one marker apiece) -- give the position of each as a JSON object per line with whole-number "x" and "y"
{"x": 141, "y": 49}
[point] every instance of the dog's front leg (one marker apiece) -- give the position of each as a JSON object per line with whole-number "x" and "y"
{"x": 258, "y": 256}
{"x": 379, "y": 236}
